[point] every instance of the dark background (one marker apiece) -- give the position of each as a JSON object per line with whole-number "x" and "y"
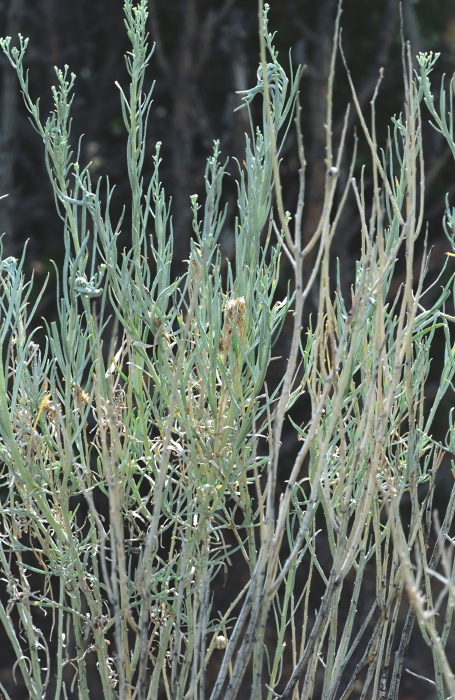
{"x": 206, "y": 50}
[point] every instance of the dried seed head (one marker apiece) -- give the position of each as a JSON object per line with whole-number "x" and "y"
{"x": 81, "y": 396}
{"x": 234, "y": 318}
{"x": 49, "y": 409}
{"x": 235, "y": 312}
{"x": 221, "y": 642}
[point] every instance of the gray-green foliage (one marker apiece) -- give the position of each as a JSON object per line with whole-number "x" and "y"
{"x": 140, "y": 443}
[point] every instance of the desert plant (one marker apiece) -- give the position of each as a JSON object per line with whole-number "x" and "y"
{"x": 141, "y": 442}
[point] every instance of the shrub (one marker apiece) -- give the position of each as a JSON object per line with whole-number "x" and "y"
{"x": 150, "y": 544}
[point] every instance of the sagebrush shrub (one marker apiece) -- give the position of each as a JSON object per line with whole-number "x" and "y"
{"x": 141, "y": 442}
